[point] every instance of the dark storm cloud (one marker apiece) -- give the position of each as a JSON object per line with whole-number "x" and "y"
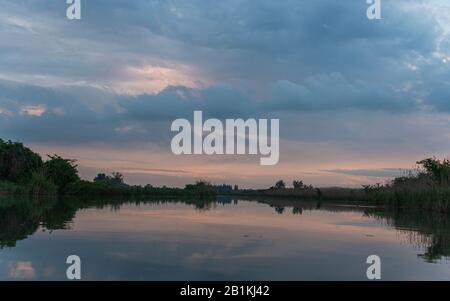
{"x": 259, "y": 58}
{"x": 62, "y": 116}
{"x": 70, "y": 115}
{"x": 232, "y": 40}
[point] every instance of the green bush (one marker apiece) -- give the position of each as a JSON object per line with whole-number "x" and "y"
{"x": 9, "y": 188}
{"x": 40, "y": 185}
{"x": 17, "y": 162}
{"x": 61, "y": 171}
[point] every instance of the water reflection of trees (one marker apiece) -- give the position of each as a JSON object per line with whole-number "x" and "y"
{"x": 422, "y": 229}
{"x": 21, "y": 218}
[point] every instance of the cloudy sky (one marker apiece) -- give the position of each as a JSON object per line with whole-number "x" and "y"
{"x": 359, "y": 101}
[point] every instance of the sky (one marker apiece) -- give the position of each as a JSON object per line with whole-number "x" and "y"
{"x": 359, "y": 101}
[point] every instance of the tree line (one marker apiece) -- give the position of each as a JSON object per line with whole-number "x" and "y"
{"x": 24, "y": 172}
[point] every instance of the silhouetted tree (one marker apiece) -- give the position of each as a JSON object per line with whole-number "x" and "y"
{"x": 17, "y": 162}
{"x": 203, "y": 188}
{"x": 116, "y": 180}
{"x": 61, "y": 171}
{"x": 280, "y": 185}
{"x": 298, "y": 184}
{"x": 100, "y": 177}
{"x": 438, "y": 170}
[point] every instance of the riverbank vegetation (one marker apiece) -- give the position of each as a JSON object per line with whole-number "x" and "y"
{"x": 426, "y": 188}
{"x": 25, "y": 173}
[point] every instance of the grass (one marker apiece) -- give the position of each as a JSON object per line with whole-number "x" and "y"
{"x": 9, "y": 188}
{"x": 426, "y": 189}
{"x": 420, "y": 196}
{"x": 37, "y": 185}
{"x": 415, "y": 192}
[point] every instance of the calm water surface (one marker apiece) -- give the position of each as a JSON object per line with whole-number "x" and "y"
{"x": 225, "y": 239}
